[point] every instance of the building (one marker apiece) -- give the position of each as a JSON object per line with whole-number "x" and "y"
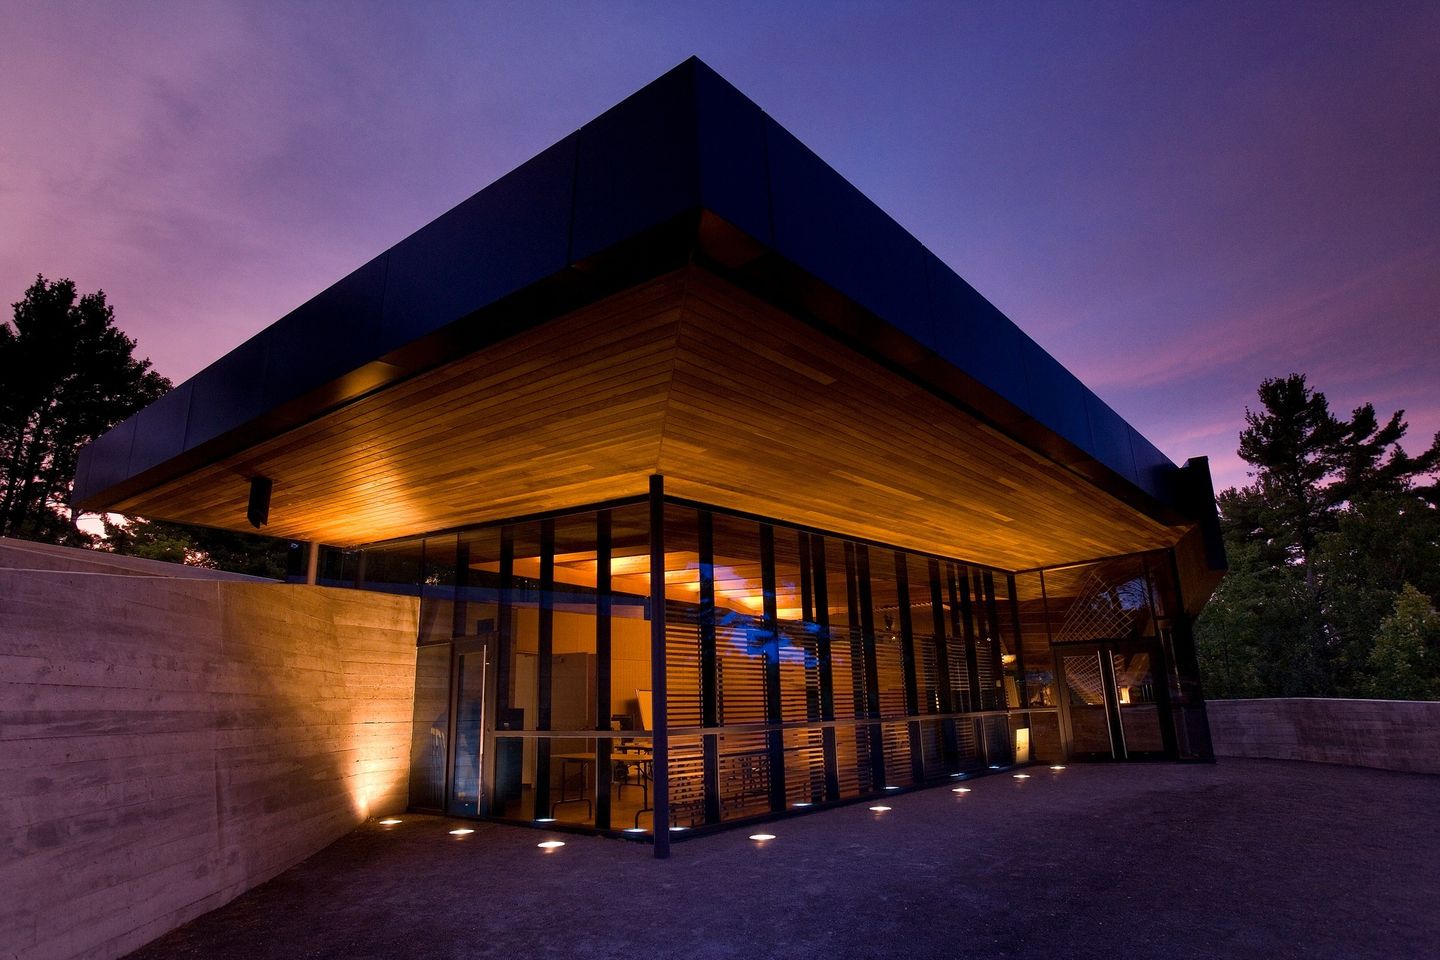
{"x": 722, "y": 496}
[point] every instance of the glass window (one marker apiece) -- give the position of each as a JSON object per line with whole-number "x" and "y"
{"x": 800, "y": 668}
{"x": 431, "y": 727}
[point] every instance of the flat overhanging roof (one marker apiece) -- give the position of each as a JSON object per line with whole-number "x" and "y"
{"x": 348, "y": 403}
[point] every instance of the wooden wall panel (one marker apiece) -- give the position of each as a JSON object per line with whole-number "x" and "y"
{"x": 170, "y": 743}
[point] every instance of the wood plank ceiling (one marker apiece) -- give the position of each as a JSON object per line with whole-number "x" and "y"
{"x": 735, "y": 402}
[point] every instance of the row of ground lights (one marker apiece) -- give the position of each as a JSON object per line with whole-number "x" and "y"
{"x": 881, "y": 808}
{"x": 758, "y": 837}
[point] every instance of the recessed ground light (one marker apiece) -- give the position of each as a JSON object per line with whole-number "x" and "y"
{"x": 461, "y": 832}
{"x": 635, "y": 830}
{"x": 390, "y": 822}
{"x": 957, "y": 776}
{"x": 879, "y": 809}
{"x": 892, "y": 788}
{"x": 1021, "y": 776}
{"x": 762, "y": 836}
{"x": 544, "y": 819}
{"x": 803, "y": 803}
{"x": 550, "y": 844}
{"x": 959, "y": 789}
{"x": 994, "y": 766}
{"x": 678, "y": 829}
{"x": 1057, "y": 766}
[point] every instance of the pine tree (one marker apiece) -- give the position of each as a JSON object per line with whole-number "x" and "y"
{"x": 67, "y": 375}
{"x": 1338, "y": 508}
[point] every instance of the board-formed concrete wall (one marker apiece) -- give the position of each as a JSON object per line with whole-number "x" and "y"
{"x": 1387, "y": 734}
{"x": 167, "y": 743}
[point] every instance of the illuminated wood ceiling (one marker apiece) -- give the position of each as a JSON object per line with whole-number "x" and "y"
{"x": 735, "y": 402}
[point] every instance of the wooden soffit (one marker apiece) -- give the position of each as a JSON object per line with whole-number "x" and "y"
{"x": 734, "y": 401}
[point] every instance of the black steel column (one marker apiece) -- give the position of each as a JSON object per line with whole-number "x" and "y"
{"x": 604, "y": 770}
{"x": 908, "y": 666}
{"x": 823, "y": 646}
{"x": 544, "y": 667}
{"x": 460, "y": 608}
{"x": 972, "y": 658}
{"x": 774, "y": 739}
{"x": 942, "y": 667}
{"x": 872, "y": 669}
{"x": 505, "y": 627}
{"x": 997, "y": 665}
{"x": 709, "y": 668}
{"x": 659, "y": 734}
{"x": 507, "y": 774}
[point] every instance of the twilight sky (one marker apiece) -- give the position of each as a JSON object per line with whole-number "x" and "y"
{"x": 1175, "y": 199}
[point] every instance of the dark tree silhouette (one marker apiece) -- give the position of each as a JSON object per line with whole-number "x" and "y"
{"x": 1339, "y": 519}
{"x": 67, "y": 375}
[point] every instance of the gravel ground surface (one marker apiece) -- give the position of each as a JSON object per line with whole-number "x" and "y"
{"x": 1245, "y": 858}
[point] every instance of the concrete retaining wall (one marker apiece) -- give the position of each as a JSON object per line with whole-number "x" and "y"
{"x": 1387, "y": 734}
{"x": 167, "y": 743}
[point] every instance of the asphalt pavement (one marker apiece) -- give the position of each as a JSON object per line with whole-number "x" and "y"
{"x": 1240, "y": 859}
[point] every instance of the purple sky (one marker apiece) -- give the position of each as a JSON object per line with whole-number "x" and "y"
{"x": 1175, "y": 199}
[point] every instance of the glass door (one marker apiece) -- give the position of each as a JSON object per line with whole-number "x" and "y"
{"x": 1086, "y": 691}
{"x": 1114, "y": 699}
{"x": 1138, "y": 699}
{"x": 469, "y": 673}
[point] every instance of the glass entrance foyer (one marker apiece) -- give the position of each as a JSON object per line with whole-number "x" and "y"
{"x": 575, "y": 669}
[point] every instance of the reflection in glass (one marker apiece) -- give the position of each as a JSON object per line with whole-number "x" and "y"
{"x": 801, "y": 668}
{"x": 465, "y": 794}
{"x": 430, "y": 728}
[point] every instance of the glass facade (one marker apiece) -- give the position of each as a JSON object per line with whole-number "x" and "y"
{"x": 799, "y": 668}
